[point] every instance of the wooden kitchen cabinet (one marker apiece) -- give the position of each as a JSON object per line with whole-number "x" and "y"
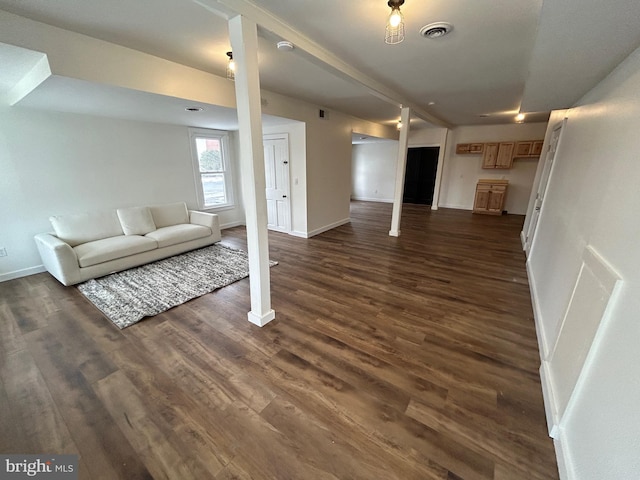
{"x": 528, "y": 149}
{"x": 469, "y": 148}
{"x": 523, "y": 149}
{"x": 505, "y": 155}
{"x": 490, "y": 196}
{"x": 490, "y": 155}
{"x": 536, "y": 149}
{"x": 498, "y": 155}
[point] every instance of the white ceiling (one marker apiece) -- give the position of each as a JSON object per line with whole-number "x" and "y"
{"x": 497, "y": 52}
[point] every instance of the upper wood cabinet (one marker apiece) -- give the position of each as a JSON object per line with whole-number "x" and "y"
{"x": 469, "y": 148}
{"x": 505, "y": 155}
{"x": 501, "y": 154}
{"x": 490, "y": 155}
{"x": 498, "y": 155}
{"x": 523, "y": 149}
{"x": 536, "y": 149}
{"x": 529, "y": 148}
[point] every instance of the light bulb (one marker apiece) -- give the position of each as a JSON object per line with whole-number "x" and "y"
{"x": 395, "y": 18}
{"x": 232, "y": 65}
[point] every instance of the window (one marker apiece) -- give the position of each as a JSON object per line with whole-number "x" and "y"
{"x": 212, "y": 168}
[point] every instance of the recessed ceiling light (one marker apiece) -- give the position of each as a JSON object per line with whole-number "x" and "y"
{"x": 484, "y": 115}
{"x": 193, "y": 109}
{"x": 284, "y": 46}
{"x": 520, "y": 117}
{"x": 436, "y": 30}
{"x": 431, "y": 103}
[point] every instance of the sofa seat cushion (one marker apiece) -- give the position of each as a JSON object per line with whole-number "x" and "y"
{"x": 99, "y": 251}
{"x": 174, "y": 234}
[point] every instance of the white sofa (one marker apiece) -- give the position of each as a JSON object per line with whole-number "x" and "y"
{"x": 90, "y": 245}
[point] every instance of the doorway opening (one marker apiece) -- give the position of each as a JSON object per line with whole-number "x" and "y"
{"x": 420, "y": 176}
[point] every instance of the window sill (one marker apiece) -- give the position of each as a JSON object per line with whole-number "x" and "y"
{"x": 221, "y": 208}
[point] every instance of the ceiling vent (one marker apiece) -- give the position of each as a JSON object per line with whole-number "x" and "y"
{"x": 436, "y": 30}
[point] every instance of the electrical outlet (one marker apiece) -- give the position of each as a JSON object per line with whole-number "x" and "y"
{"x": 3, "y": 252}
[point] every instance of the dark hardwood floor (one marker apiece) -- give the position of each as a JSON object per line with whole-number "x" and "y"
{"x": 390, "y": 358}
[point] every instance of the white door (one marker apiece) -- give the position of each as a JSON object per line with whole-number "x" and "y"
{"x": 276, "y": 166}
{"x": 544, "y": 182}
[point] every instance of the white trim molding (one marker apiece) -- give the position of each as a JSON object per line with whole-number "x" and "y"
{"x": 25, "y": 272}
{"x": 326, "y": 228}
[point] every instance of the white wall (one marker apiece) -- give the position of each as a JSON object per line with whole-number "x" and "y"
{"x": 426, "y": 137}
{"x": 328, "y": 173}
{"x": 592, "y": 203}
{"x": 58, "y": 163}
{"x": 462, "y": 172}
{"x": 328, "y": 141}
{"x": 373, "y": 171}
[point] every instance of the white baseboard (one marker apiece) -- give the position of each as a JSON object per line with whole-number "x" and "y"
{"x": 550, "y": 410}
{"x": 231, "y": 224}
{"x": 372, "y": 199}
{"x": 457, "y": 207}
{"x": 25, "y": 272}
{"x": 320, "y": 230}
{"x": 562, "y": 458}
{"x": 295, "y": 233}
{"x": 537, "y": 314}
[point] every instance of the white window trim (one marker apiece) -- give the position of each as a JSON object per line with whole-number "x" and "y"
{"x": 223, "y": 136}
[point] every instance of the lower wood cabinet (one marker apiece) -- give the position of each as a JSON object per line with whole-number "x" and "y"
{"x": 490, "y": 196}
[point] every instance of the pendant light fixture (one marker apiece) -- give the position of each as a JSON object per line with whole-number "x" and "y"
{"x": 231, "y": 67}
{"x": 394, "y": 32}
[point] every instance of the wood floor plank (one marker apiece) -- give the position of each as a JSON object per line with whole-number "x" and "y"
{"x": 411, "y": 357}
{"x": 144, "y": 430}
{"x": 182, "y": 416}
{"x": 37, "y": 420}
{"x": 383, "y": 422}
{"x": 90, "y": 424}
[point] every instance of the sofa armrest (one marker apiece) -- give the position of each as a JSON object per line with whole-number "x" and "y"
{"x": 205, "y": 219}
{"x": 58, "y": 258}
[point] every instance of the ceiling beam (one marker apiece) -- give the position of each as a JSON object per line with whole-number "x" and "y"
{"x": 316, "y": 53}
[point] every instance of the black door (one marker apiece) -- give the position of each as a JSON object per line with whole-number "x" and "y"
{"x": 420, "y": 176}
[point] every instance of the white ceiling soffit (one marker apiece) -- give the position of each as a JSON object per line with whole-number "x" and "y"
{"x": 22, "y": 70}
{"x": 63, "y": 94}
{"x": 579, "y": 43}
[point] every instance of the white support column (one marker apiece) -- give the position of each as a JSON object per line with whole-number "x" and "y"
{"x": 244, "y": 43}
{"x": 439, "y": 169}
{"x": 401, "y": 165}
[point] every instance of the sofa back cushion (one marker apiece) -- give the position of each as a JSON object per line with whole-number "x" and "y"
{"x": 170, "y": 214}
{"x": 86, "y": 227}
{"x": 136, "y": 220}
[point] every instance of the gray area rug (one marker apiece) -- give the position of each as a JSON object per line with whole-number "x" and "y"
{"x": 129, "y": 296}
